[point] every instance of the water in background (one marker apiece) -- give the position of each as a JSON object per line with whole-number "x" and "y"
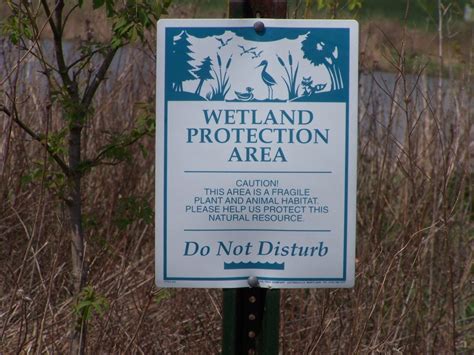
{"x": 134, "y": 67}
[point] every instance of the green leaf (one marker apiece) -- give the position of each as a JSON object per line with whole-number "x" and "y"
{"x": 17, "y": 26}
{"x": 132, "y": 209}
{"x": 162, "y": 295}
{"x": 354, "y": 4}
{"x": 90, "y": 302}
{"x": 109, "y": 6}
{"x": 97, "y": 3}
{"x": 321, "y": 4}
{"x": 143, "y": 150}
{"x": 470, "y": 310}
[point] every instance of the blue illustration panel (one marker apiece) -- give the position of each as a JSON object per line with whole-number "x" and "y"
{"x": 300, "y": 64}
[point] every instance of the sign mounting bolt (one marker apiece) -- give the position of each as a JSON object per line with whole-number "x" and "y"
{"x": 253, "y": 281}
{"x": 259, "y": 27}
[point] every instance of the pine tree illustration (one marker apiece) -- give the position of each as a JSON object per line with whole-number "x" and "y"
{"x": 181, "y": 59}
{"x": 203, "y": 72}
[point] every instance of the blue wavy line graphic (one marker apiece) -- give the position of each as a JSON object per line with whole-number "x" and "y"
{"x": 251, "y": 265}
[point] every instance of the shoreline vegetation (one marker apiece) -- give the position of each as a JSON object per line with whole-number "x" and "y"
{"x": 379, "y": 25}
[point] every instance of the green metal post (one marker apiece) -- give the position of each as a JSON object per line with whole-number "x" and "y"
{"x": 251, "y": 321}
{"x": 229, "y": 322}
{"x": 268, "y": 344}
{"x": 252, "y": 315}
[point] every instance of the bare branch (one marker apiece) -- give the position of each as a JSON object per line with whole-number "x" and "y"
{"x": 98, "y": 160}
{"x": 50, "y": 17}
{"x": 28, "y": 52}
{"x": 57, "y": 29}
{"x": 99, "y": 77}
{"x": 37, "y": 138}
{"x": 69, "y": 14}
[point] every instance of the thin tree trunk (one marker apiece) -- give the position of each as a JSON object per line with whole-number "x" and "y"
{"x": 79, "y": 270}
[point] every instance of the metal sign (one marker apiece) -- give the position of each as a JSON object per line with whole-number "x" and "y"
{"x": 256, "y": 153}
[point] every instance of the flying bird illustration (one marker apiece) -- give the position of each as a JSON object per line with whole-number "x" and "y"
{"x": 256, "y": 54}
{"x": 244, "y": 51}
{"x": 245, "y": 96}
{"x": 222, "y": 42}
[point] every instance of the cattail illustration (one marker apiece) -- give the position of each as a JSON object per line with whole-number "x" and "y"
{"x": 219, "y": 93}
{"x": 291, "y": 76}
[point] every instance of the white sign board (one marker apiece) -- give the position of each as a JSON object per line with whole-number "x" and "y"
{"x": 256, "y": 153}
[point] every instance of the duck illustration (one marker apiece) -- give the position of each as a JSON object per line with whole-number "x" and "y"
{"x": 245, "y": 96}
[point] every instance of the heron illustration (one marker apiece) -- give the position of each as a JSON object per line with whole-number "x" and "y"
{"x": 267, "y": 78}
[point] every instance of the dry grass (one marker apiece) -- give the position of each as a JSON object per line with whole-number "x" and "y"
{"x": 413, "y": 290}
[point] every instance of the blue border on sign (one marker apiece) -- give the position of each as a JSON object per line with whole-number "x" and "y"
{"x": 168, "y": 39}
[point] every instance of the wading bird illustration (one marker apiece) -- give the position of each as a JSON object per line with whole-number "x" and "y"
{"x": 267, "y": 78}
{"x": 222, "y": 42}
{"x": 245, "y": 96}
{"x": 255, "y": 54}
{"x": 244, "y": 51}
